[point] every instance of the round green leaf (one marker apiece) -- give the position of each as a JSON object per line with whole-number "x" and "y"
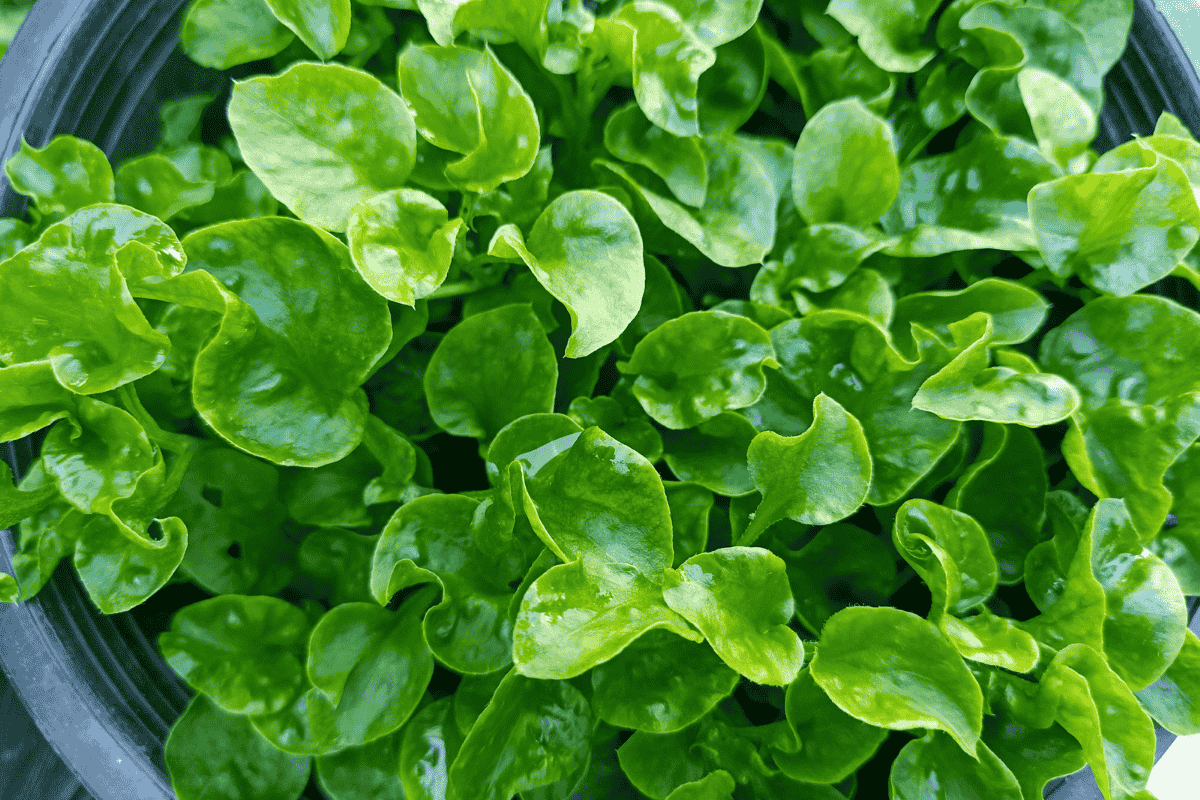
{"x": 533, "y": 733}
{"x": 845, "y": 168}
{"x": 933, "y": 768}
{"x": 323, "y": 25}
{"x": 465, "y": 101}
{"x": 692, "y": 368}
{"x": 489, "y": 370}
{"x": 833, "y": 744}
{"x": 586, "y": 250}
{"x": 660, "y": 683}
{"x": 892, "y": 669}
{"x": 62, "y": 177}
{"x": 224, "y": 33}
{"x": 369, "y": 667}
{"x": 323, "y": 137}
{"x": 740, "y": 600}
{"x": 214, "y": 755}
{"x": 430, "y": 743}
{"x": 363, "y": 773}
{"x": 713, "y": 454}
{"x": 281, "y": 377}
{"x": 816, "y": 478}
{"x": 950, "y": 552}
{"x": 678, "y": 160}
{"x": 246, "y": 654}
{"x": 402, "y": 242}
{"x": 897, "y": 39}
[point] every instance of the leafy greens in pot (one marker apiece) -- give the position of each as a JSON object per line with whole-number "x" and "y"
{"x": 668, "y": 398}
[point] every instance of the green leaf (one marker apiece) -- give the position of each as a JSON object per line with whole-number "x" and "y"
{"x": 736, "y": 225}
{"x": 816, "y": 478}
{"x": 428, "y": 540}
{"x": 694, "y": 367}
{"x": 369, "y": 668}
{"x": 363, "y": 773}
{"x": 230, "y": 504}
{"x": 402, "y": 242}
{"x": 532, "y": 734}
{"x": 280, "y": 378}
{"x": 1172, "y": 700}
{"x": 932, "y": 767}
{"x": 660, "y": 683}
{"x": 1099, "y": 710}
{"x": 323, "y": 25}
{"x": 892, "y": 669}
{"x": 1004, "y": 490}
{"x": 968, "y": 389}
{"x": 1119, "y": 231}
{"x": 170, "y": 183}
{"x": 214, "y": 755}
{"x": 224, "y": 33}
{"x": 668, "y": 58}
{"x": 489, "y": 370}
{"x": 1035, "y": 752}
{"x": 740, "y": 600}
{"x": 71, "y": 304}
{"x": 246, "y": 654}
{"x": 15, "y": 235}
{"x": 17, "y": 504}
{"x": 62, "y": 177}
{"x": 1063, "y": 121}
{"x": 678, "y": 160}
{"x": 338, "y": 565}
{"x": 845, "y": 165}
{"x": 584, "y": 613}
{"x": 713, "y": 454}
{"x": 429, "y": 744}
{"x": 465, "y": 101}
{"x": 323, "y": 137}
{"x": 630, "y": 428}
{"x": 842, "y": 565}
{"x": 972, "y": 198}
{"x": 833, "y": 744}
{"x": 1016, "y": 312}
{"x": 849, "y": 358}
{"x": 822, "y": 257}
{"x": 950, "y": 552}
{"x": 586, "y": 250}
{"x": 691, "y": 506}
{"x": 717, "y": 785}
{"x": 1179, "y": 546}
{"x": 898, "y": 40}
{"x": 731, "y": 90}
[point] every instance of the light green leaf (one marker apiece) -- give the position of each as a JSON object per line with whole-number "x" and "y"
{"x": 845, "y": 165}
{"x": 933, "y": 768}
{"x": 898, "y": 40}
{"x": 816, "y": 478}
{"x": 678, "y": 160}
{"x": 62, "y": 177}
{"x": 224, "y": 33}
{"x": 740, "y": 600}
{"x": 586, "y": 250}
{"x": 323, "y": 25}
{"x": 402, "y": 242}
{"x": 323, "y": 137}
{"x": 894, "y": 670}
{"x": 1174, "y": 699}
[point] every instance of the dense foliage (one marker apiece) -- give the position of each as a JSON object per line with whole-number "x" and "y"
{"x": 686, "y": 399}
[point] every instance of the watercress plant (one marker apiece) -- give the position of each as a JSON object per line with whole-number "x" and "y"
{"x": 681, "y": 399}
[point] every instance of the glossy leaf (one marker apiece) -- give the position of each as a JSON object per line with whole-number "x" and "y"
{"x": 402, "y": 242}
{"x": 169, "y": 184}
{"x": 849, "y": 358}
{"x": 323, "y": 137}
{"x": 465, "y": 101}
{"x": 214, "y": 755}
{"x": 630, "y": 429}
{"x": 696, "y": 366}
{"x": 816, "y": 478}
{"x": 1004, "y": 490}
{"x": 660, "y": 683}
{"x": 246, "y": 654}
{"x": 369, "y": 667}
{"x": 971, "y": 198}
{"x": 896, "y": 40}
{"x": 833, "y": 744}
{"x": 586, "y": 250}
{"x": 323, "y": 25}
{"x": 1119, "y": 231}
{"x": 968, "y": 389}
{"x": 362, "y": 773}
{"x": 950, "y": 552}
{"x": 429, "y": 744}
{"x": 1016, "y": 312}
{"x": 840, "y": 566}
{"x": 1172, "y": 699}
{"x": 532, "y": 734}
{"x": 740, "y": 600}
{"x": 299, "y": 364}
{"x": 15, "y": 235}
{"x": 678, "y": 160}
{"x": 713, "y": 454}
{"x": 1179, "y": 546}
{"x": 893, "y": 669}
{"x": 62, "y": 177}
{"x": 224, "y": 33}
{"x": 578, "y": 615}
{"x": 489, "y": 370}
{"x": 858, "y": 184}
{"x": 933, "y": 767}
